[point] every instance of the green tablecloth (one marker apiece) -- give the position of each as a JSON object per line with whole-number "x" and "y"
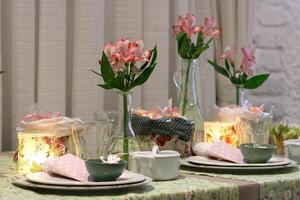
{"x": 182, "y": 188}
{"x": 200, "y": 185}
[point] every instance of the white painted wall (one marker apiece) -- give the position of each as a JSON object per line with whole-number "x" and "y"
{"x": 277, "y": 43}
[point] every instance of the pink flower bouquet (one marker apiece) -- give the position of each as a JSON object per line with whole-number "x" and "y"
{"x": 187, "y": 28}
{"x": 242, "y": 76}
{"x": 125, "y": 64}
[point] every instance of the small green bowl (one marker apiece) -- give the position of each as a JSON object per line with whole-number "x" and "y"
{"x": 104, "y": 171}
{"x": 257, "y": 153}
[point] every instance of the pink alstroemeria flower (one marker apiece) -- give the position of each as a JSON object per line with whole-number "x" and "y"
{"x": 229, "y": 53}
{"x": 186, "y": 23}
{"x": 248, "y": 61}
{"x": 126, "y": 50}
{"x": 210, "y": 27}
{"x": 256, "y": 109}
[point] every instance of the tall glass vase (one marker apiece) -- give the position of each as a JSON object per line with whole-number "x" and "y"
{"x": 124, "y": 140}
{"x": 188, "y": 103}
{"x": 240, "y": 95}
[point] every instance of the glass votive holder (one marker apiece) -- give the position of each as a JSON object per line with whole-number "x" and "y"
{"x": 36, "y": 147}
{"x": 253, "y": 127}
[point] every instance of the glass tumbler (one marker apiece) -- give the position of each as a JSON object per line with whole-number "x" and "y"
{"x": 98, "y": 135}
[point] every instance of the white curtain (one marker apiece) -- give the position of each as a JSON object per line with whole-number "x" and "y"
{"x": 236, "y": 19}
{"x": 48, "y": 47}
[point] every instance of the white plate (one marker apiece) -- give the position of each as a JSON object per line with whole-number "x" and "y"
{"x": 42, "y": 177}
{"x": 253, "y": 169}
{"x": 202, "y": 160}
{"x": 22, "y": 182}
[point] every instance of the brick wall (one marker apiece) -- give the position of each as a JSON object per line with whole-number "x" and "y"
{"x": 277, "y": 43}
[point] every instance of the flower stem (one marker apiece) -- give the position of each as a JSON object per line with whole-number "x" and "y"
{"x": 125, "y": 127}
{"x": 185, "y": 89}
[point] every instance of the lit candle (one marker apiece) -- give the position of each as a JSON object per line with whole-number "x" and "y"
{"x": 223, "y": 131}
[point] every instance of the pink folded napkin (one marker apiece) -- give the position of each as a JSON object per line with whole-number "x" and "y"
{"x": 224, "y": 151}
{"x": 69, "y": 166}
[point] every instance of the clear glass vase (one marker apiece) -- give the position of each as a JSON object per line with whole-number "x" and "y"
{"x": 239, "y": 95}
{"x": 123, "y": 139}
{"x": 188, "y": 103}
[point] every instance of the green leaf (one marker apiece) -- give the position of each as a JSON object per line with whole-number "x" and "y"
{"x": 256, "y": 81}
{"x": 184, "y": 46}
{"x": 106, "y": 69}
{"x": 2, "y": 72}
{"x": 118, "y": 81}
{"x": 201, "y": 47}
{"x": 227, "y": 65}
{"x": 143, "y": 77}
{"x": 192, "y": 50}
{"x": 199, "y": 51}
{"x": 219, "y": 69}
{"x": 238, "y": 78}
{"x": 92, "y": 71}
{"x": 152, "y": 59}
{"x": 144, "y": 65}
{"x": 107, "y": 85}
{"x": 208, "y": 42}
{"x": 200, "y": 39}
{"x": 180, "y": 35}
{"x": 153, "y": 56}
{"x": 179, "y": 38}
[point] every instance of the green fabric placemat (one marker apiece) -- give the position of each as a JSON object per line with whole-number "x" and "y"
{"x": 182, "y": 188}
{"x": 275, "y": 186}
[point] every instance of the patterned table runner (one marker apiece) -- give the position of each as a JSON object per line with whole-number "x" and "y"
{"x": 275, "y": 186}
{"x": 182, "y": 188}
{"x": 248, "y": 190}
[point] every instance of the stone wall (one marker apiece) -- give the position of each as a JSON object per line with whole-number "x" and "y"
{"x": 277, "y": 43}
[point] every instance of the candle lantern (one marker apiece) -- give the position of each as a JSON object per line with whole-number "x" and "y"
{"x": 41, "y": 139}
{"x": 35, "y": 148}
{"x": 220, "y": 131}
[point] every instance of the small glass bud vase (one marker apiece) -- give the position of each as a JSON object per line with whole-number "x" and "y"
{"x": 240, "y": 95}
{"x": 123, "y": 139}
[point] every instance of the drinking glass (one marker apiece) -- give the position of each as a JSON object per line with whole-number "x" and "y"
{"x": 98, "y": 135}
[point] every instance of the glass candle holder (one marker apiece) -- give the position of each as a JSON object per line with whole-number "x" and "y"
{"x": 35, "y": 148}
{"x": 253, "y": 127}
{"x": 42, "y": 137}
{"x": 221, "y": 131}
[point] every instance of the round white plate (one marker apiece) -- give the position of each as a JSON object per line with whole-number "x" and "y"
{"x": 22, "y": 182}
{"x": 202, "y": 160}
{"x": 254, "y": 169}
{"x": 42, "y": 177}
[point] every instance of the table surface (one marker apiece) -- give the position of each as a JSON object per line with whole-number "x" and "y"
{"x": 190, "y": 185}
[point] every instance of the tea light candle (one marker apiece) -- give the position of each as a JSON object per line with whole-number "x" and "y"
{"x": 35, "y": 148}
{"x": 220, "y": 131}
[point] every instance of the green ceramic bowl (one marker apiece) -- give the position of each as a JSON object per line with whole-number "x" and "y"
{"x": 257, "y": 153}
{"x": 104, "y": 171}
